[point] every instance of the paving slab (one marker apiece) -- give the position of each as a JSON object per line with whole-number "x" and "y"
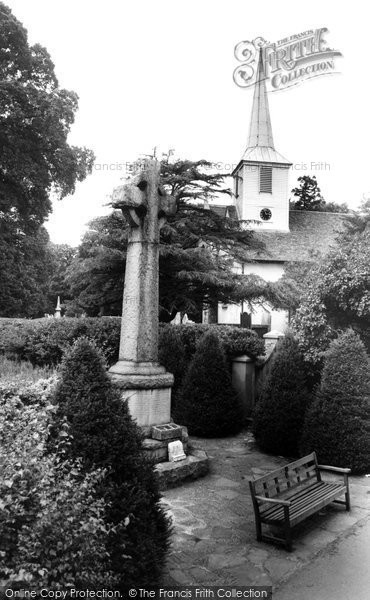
{"x": 214, "y": 540}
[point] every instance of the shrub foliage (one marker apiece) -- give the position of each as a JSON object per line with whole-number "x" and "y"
{"x": 53, "y": 528}
{"x": 337, "y": 424}
{"x": 44, "y": 342}
{"x": 279, "y": 413}
{"x": 104, "y": 436}
{"x": 172, "y": 355}
{"x": 208, "y": 405}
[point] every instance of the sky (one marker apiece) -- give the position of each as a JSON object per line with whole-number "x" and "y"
{"x": 160, "y": 73}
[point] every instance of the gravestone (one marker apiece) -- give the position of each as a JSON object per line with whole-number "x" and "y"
{"x": 144, "y": 383}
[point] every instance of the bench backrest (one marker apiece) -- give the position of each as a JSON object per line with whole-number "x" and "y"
{"x": 281, "y": 480}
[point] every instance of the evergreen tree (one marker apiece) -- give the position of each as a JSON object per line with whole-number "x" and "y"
{"x": 309, "y": 197}
{"x": 104, "y": 435}
{"x": 208, "y": 406}
{"x": 279, "y": 413}
{"x": 337, "y": 424}
{"x": 198, "y": 251}
{"x": 171, "y": 354}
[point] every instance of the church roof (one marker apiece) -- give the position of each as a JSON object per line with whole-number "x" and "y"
{"x": 311, "y": 233}
{"x": 264, "y": 154}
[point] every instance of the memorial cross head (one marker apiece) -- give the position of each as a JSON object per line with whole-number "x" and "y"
{"x": 144, "y": 197}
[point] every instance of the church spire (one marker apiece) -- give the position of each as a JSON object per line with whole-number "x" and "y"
{"x": 260, "y": 147}
{"x": 260, "y": 132}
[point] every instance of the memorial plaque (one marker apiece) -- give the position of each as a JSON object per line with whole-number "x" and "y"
{"x": 176, "y": 451}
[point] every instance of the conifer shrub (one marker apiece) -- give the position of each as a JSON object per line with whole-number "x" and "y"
{"x": 279, "y": 412}
{"x": 171, "y": 354}
{"x": 105, "y": 437}
{"x": 208, "y": 405}
{"x": 337, "y": 424}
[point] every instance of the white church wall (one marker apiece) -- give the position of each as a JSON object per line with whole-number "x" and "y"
{"x": 229, "y": 314}
{"x": 251, "y": 202}
{"x": 260, "y": 314}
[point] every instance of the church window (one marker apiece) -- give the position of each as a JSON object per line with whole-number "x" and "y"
{"x": 266, "y": 180}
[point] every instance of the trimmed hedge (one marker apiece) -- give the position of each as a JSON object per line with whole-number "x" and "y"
{"x": 104, "y": 436}
{"x": 279, "y": 413}
{"x": 43, "y": 342}
{"x": 337, "y": 424}
{"x": 208, "y": 405}
{"x": 235, "y": 340}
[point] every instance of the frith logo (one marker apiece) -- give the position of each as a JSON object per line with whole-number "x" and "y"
{"x": 287, "y": 62}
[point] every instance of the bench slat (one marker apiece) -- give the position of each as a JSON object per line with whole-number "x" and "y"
{"x": 306, "y": 506}
{"x": 282, "y": 483}
{"x": 309, "y": 460}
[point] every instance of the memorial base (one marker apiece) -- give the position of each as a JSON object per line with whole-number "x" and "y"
{"x": 146, "y": 387}
{"x": 173, "y": 474}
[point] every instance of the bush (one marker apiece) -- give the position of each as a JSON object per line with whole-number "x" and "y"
{"x": 43, "y": 342}
{"x": 279, "y": 413}
{"x": 104, "y": 436}
{"x": 53, "y": 530}
{"x": 235, "y": 340}
{"x": 337, "y": 424}
{"x": 208, "y": 405}
{"x": 171, "y": 355}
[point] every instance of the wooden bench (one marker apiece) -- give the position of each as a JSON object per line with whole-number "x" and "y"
{"x": 287, "y": 496}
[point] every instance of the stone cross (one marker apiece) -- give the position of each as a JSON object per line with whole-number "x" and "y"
{"x": 145, "y": 205}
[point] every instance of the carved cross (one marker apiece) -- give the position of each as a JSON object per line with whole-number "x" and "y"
{"x": 143, "y": 198}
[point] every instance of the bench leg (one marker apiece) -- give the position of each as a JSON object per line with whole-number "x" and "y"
{"x": 347, "y": 496}
{"x": 348, "y": 501}
{"x": 287, "y": 530}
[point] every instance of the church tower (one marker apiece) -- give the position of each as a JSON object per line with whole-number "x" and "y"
{"x": 261, "y": 177}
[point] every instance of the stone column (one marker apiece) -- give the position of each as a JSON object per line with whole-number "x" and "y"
{"x": 145, "y": 384}
{"x": 271, "y": 339}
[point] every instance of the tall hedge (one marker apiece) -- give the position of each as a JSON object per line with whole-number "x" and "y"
{"x": 104, "y": 435}
{"x": 337, "y": 425}
{"x": 44, "y": 342}
{"x": 279, "y": 413}
{"x": 208, "y": 405}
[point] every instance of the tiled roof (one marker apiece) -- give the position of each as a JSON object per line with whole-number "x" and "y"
{"x": 310, "y": 233}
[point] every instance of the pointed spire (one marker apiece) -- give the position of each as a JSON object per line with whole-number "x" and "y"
{"x": 260, "y": 132}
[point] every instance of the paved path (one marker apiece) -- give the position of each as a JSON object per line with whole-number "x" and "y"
{"x": 214, "y": 538}
{"x": 340, "y": 573}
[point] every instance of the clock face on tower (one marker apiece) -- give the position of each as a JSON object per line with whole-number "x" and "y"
{"x": 265, "y": 214}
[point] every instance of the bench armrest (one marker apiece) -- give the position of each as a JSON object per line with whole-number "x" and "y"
{"x": 273, "y": 500}
{"x": 334, "y": 469}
